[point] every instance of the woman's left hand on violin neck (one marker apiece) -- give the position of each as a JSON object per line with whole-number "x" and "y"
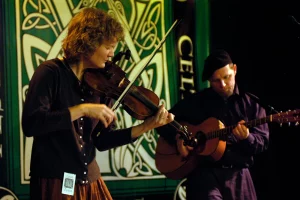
{"x": 161, "y": 118}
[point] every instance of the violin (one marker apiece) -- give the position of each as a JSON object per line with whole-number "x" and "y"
{"x": 137, "y": 101}
{"x": 111, "y": 81}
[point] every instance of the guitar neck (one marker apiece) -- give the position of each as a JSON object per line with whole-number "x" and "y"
{"x": 228, "y": 129}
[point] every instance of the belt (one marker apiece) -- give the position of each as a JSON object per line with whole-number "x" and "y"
{"x": 222, "y": 166}
{"x": 227, "y": 166}
{"x": 82, "y": 181}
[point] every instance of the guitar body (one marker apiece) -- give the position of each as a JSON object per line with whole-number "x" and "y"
{"x": 211, "y": 142}
{"x": 174, "y": 166}
{"x": 170, "y": 163}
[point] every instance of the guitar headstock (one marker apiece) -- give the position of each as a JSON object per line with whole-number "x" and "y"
{"x": 287, "y": 117}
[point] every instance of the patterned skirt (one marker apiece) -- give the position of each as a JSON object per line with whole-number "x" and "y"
{"x": 50, "y": 189}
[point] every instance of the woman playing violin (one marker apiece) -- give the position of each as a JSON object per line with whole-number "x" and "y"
{"x": 59, "y": 114}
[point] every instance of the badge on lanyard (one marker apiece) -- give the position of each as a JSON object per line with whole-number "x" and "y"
{"x": 68, "y": 184}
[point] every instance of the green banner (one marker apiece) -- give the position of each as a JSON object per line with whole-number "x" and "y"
{"x": 34, "y": 31}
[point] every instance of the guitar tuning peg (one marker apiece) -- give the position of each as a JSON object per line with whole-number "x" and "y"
{"x": 280, "y": 124}
{"x": 186, "y": 131}
{"x": 185, "y": 128}
{"x": 297, "y": 123}
{"x": 289, "y": 124}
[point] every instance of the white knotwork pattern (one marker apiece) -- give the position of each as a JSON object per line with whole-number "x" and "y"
{"x": 41, "y": 26}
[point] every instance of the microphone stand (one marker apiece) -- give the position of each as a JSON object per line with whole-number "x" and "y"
{"x": 263, "y": 104}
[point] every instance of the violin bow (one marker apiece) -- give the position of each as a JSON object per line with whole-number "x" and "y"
{"x": 126, "y": 90}
{"x": 122, "y": 96}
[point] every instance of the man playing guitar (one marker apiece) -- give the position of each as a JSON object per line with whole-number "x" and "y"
{"x": 221, "y": 170}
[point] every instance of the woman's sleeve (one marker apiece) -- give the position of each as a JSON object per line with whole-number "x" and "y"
{"x": 38, "y": 118}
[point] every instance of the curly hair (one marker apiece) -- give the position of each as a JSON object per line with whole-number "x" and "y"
{"x": 86, "y": 32}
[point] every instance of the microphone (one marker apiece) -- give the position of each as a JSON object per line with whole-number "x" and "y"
{"x": 260, "y": 102}
{"x": 119, "y": 55}
{"x": 293, "y": 19}
{"x": 127, "y": 54}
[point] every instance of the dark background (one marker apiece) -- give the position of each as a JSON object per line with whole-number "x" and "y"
{"x": 263, "y": 38}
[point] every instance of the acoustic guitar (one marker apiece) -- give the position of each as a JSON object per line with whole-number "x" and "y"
{"x": 211, "y": 141}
